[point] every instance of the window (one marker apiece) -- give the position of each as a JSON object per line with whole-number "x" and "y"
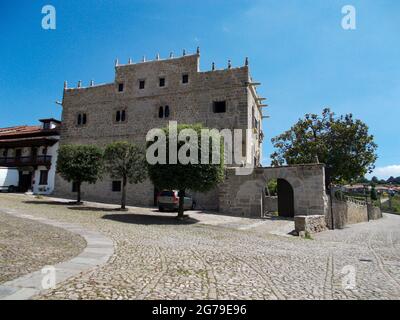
{"x": 163, "y": 112}
{"x": 43, "y": 177}
{"x": 74, "y": 187}
{"x": 116, "y": 186}
{"x": 46, "y": 125}
{"x": 44, "y": 151}
{"x": 141, "y": 84}
{"x": 81, "y": 119}
{"x": 120, "y": 87}
{"x": 120, "y": 116}
{"x": 162, "y": 82}
{"x": 185, "y": 78}
{"x": 219, "y": 106}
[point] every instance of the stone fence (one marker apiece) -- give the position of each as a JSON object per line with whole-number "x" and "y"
{"x": 349, "y": 212}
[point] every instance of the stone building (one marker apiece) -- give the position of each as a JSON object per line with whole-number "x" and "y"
{"x": 148, "y": 95}
{"x": 33, "y": 151}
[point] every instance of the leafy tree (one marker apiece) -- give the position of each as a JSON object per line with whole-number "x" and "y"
{"x": 127, "y": 162}
{"x": 190, "y": 176}
{"x": 272, "y": 187}
{"x": 341, "y": 143}
{"x": 362, "y": 180}
{"x": 374, "y": 195}
{"x": 80, "y": 163}
{"x": 375, "y": 180}
{"x": 391, "y": 180}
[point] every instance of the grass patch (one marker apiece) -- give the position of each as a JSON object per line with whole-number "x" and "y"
{"x": 392, "y": 205}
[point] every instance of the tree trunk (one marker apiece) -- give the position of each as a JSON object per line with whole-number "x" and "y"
{"x": 181, "y": 195}
{"x": 123, "y": 199}
{"x": 79, "y": 192}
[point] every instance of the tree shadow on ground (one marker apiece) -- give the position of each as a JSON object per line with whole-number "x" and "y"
{"x": 50, "y": 202}
{"x": 145, "y": 219}
{"x": 82, "y": 208}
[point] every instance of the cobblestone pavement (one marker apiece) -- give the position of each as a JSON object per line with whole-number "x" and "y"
{"x": 26, "y": 246}
{"x": 209, "y": 257}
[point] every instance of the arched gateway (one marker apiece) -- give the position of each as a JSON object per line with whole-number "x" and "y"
{"x": 302, "y": 187}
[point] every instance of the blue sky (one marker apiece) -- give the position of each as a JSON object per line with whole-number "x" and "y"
{"x": 297, "y": 49}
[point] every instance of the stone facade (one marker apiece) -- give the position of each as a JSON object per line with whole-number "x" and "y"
{"x": 243, "y": 195}
{"x": 270, "y": 204}
{"x": 309, "y": 224}
{"x": 90, "y": 114}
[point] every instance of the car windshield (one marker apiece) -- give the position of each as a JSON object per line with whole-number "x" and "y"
{"x": 167, "y": 194}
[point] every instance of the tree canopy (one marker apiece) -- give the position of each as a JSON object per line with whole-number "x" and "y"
{"x": 80, "y": 163}
{"x": 187, "y": 176}
{"x": 127, "y": 162}
{"x": 342, "y": 143}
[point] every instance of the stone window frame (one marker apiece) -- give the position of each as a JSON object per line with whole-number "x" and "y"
{"x": 188, "y": 78}
{"x": 160, "y": 110}
{"x": 116, "y": 186}
{"x": 114, "y": 115}
{"x": 118, "y": 87}
{"x": 216, "y": 100}
{"x": 139, "y": 83}
{"x": 83, "y": 120}
{"x": 165, "y": 81}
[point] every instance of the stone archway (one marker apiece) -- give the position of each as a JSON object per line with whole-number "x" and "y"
{"x": 285, "y": 198}
{"x": 244, "y": 195}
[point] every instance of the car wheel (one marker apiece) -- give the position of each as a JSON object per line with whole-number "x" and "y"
{"x": 11, "y": 189}
{"x": 161, "y": 209}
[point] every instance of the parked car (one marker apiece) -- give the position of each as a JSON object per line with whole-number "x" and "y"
{"x": 169, "y": 200}
{"x": 9, "y": 179}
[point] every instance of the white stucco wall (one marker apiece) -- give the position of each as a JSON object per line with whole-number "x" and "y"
{"x": 47, "y": 189}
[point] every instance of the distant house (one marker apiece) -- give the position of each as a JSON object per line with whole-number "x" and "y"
{"x": 33, "y": 151}
{"x": 357, "y": 188}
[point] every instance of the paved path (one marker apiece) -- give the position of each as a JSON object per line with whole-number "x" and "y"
{"x": 26, "y": 246}
{"x": 214, "y": 257}
{"x": 97, "y": 250}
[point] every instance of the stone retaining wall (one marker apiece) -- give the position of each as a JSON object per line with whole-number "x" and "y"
{"x": 347, "y": 212}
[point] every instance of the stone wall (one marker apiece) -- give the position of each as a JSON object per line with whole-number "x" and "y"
{"x": 356, "y": 213}
{"x": 270, "y": 204}
{"x": 374, "y": 213}
{"x": 242, "y": 195}
{"x": 188, "y": 103}
{"x": 309, "y": 224}
{"x": 141, "y": 194}
{"x": 349, "y": 212}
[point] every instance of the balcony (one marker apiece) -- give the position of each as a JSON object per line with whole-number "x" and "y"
{"x": 25, "y": 161}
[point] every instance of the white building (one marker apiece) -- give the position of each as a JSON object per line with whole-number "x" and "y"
{"x": 33, "y": 150}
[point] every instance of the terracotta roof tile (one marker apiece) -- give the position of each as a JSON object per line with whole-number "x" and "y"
{"x": 19, "y": 130}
